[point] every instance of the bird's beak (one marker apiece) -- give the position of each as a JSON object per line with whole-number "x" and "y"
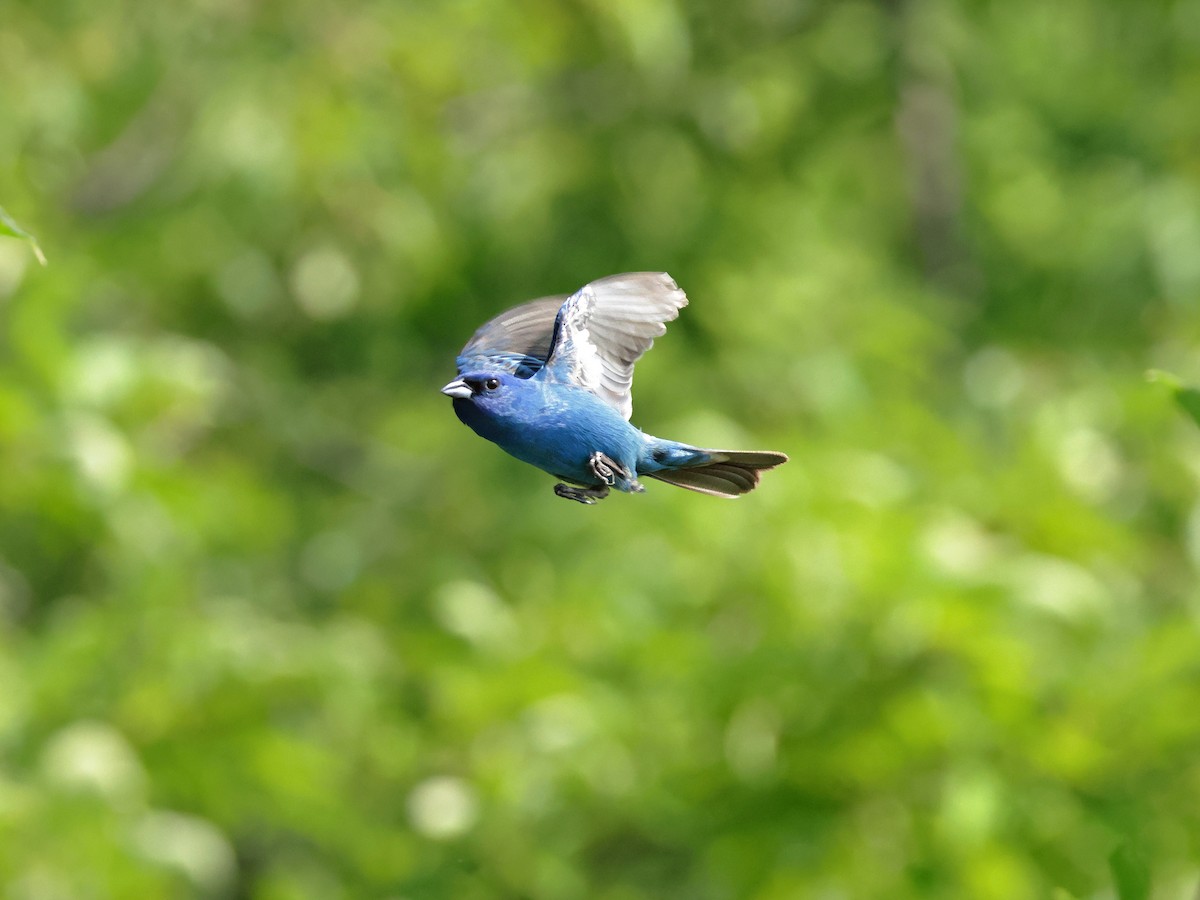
{"x": 458, "y": 389}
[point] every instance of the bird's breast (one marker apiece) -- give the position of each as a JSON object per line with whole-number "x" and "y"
{"x": 557, "y": 431}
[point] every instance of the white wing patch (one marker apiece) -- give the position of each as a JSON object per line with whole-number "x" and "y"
{"x": 605, "y": 327}
{"x": 579, "y": 354}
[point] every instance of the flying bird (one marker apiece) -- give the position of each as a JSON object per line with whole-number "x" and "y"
{"x": 549, "y": 382}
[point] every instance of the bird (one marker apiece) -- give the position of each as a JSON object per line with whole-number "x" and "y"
{"x": 550, "y": 381}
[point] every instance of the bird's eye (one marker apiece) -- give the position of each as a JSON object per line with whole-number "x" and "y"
{"x": 492, "y": 383}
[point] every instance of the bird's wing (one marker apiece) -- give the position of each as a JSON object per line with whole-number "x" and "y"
{"x": 604, "y": 328}
{"x": 516, "y": 341}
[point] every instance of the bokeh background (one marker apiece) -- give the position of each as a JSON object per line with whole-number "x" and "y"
{"x": 273, "y": 624}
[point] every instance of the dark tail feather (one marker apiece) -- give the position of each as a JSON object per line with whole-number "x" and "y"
{"x": 730, "y": 473}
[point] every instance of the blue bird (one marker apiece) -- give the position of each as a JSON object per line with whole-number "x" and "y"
{"x": 549, "y": 382}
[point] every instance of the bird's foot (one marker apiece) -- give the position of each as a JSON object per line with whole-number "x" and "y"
{"x": 611, "y": 472}
{"x": 605, "y": 467}
{"x": 587, "y": 496}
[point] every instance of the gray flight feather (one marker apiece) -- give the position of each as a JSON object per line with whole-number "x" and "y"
{"x": 605, "y": 327}
{"x": 729, "y": 474}
{"x": 517, "y": 340}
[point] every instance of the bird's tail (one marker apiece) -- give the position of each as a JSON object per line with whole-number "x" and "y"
{"x": 721, "y": 473}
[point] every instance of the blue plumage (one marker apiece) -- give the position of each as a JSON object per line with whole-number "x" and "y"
{"x": 549, "y": 382}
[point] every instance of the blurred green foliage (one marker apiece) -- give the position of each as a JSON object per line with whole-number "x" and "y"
{"x": 274, "y": 625}
{"x": 1187, "y": 398}
{"x": 9, "y": 226}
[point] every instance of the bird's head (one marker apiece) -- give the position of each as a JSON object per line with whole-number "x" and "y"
{"x": 480, "y": 388}
{"x": 483, "y": 399}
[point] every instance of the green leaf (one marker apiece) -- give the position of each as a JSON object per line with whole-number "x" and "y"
{"x": 1187, "y": 397}
{"x": 8, "y": 225}
{"x": 1131, "y": 873}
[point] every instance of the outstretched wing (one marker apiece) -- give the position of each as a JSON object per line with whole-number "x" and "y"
{"x": 516, "y": 341}
{"x": 605, "y": 327}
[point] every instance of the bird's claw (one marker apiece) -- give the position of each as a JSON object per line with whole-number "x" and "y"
{"x": 586, "y": 496}
{"x": 604, "y": 467}
{"x": 611, "y": 472}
